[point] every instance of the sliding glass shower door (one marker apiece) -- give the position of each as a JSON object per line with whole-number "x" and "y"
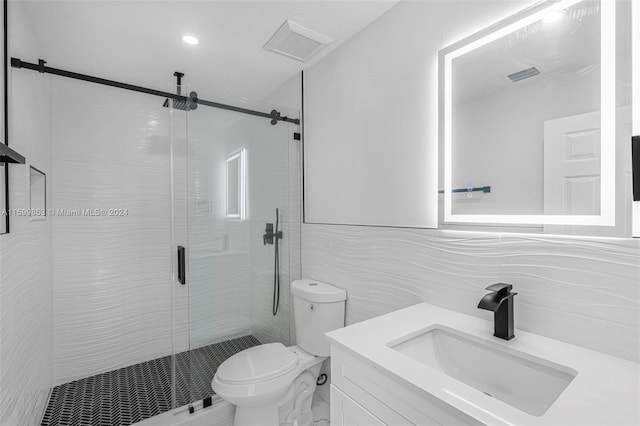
{"x": 232, "y": 173}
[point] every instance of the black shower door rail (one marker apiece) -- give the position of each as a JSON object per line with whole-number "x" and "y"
{"x": 41, "y": 67}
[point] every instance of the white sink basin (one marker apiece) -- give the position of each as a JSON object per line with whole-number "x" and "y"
{"x": 523, "y": 381}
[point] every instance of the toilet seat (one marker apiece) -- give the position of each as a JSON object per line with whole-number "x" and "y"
{"x": 257, "y": 364}
{"x": 277, "y": 374}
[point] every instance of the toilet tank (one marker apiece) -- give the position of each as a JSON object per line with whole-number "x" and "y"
{"x": 317, "y": 308}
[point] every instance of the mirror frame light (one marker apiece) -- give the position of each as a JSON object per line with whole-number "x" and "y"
{"x": 242, "y": 180}
{"x": 607, "y": 108}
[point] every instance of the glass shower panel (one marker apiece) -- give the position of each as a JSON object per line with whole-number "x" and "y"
{"x": 110, "y": 215}
{"x": 240, "y": 169}
{"x": 180, "y": 395}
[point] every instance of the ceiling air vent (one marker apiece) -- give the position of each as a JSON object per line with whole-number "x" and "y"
{"x": 297, "y": 42}
{"x": 521, "y": 75}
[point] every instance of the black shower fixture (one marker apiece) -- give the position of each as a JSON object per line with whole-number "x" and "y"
{"x": 271, "y": 236}
{"x": 275, "y": 114}
{"x": 188, "y": 104}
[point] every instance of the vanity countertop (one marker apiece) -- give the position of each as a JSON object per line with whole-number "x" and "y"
{"x": 606, "y": 390}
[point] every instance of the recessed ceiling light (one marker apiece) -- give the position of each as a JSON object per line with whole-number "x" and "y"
{"x": 553, "y": 16}
{"x": 189, "y": 39}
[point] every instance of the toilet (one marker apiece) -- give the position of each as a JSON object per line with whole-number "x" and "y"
{"x": 272, "y": 384}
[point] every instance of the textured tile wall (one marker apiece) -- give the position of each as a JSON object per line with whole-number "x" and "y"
{"x": 289, "y": 155}
{"x": 25, "y": 253}
{"x": 231, "y": 270}
{"x": 585, "y": 291}
{"x": 111, "y": 274}
{"x": 269, "y": 177}
{"x": 219, "y": 257}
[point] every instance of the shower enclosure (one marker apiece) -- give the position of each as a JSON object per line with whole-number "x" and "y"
{"x": 232, "y": 172}
{"x": 160, "y": 266}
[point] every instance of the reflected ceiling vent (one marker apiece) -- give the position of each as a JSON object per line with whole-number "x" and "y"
{"x": 297, "y": 42}
{"x": 521, "y": 75}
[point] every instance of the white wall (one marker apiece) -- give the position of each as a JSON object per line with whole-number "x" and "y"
{"x": 25, "y": 254}
{"x": 371, "y": 115}
{"x": 580, "y": 290}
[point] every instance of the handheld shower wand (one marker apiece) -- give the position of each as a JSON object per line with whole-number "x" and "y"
{"x": 271, "y": 236}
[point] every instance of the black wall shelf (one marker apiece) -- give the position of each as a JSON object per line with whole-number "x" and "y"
{"x": 8, "y": 155}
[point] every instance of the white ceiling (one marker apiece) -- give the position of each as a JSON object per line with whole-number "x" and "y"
{"x": 139, "y": 42}
{"x": 571, "y": 44}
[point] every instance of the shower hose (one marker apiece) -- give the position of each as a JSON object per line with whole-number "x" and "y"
{"x": 276, "y": 269}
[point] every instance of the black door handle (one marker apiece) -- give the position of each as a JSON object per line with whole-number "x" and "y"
{"x": 182, "y": 270}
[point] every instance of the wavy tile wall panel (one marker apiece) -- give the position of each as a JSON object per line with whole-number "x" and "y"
{"x": 219, "y": 248}
{"x": 25, "y": 254}
{"x": 180, "y": 225}
{"x": 267, "y": 327}
{"x": 581, "y": 290}
{"x": 111, "y": 274}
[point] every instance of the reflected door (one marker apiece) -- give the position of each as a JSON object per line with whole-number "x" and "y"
{"x": 572, "y": 165}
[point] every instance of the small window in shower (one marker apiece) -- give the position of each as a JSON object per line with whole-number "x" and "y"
{"x": 235, "y": 185}
{"x": 38, "y": 194}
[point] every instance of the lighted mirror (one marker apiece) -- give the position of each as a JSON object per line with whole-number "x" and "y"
{"x": 235, "y": 185}
{"x": 529, "y": 117}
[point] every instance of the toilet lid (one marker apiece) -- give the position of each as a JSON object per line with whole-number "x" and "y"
{"x": 257, "y": 364}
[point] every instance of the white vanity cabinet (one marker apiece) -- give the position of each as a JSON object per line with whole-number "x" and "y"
{"x": 365, "y": 395}
{"x": 382, "y": 373}
{"x": 345, "y": 411}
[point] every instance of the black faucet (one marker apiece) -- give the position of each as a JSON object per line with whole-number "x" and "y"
{"x": 500, "y": 301}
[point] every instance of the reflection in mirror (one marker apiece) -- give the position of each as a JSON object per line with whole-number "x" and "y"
{"x": 235, "y": 185}
{"x": 530, "y": 111}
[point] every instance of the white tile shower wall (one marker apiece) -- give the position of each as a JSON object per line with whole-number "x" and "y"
{"x": 268, "y": 182}
{"x": 283, "y": 154}
{"x": 583, "y": 291}
{"x": 25, "y": 254}
{"x": 230, "y": 270}
{"x": 219, "y": 258}
{"x": 111, "y": 274}
{"x": 180, "y": 179}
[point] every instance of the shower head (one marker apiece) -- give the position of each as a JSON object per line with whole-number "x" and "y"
{"x": 184, "y": 105}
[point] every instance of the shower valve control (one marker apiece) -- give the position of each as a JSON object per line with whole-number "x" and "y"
{"x": 270, "y": 234}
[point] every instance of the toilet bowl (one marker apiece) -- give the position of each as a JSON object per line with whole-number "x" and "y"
{"x": 263, "y": 382}
{"x": 272, "y": 384}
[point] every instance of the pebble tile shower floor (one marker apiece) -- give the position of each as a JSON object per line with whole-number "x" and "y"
{"x": 137, "y": 392}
